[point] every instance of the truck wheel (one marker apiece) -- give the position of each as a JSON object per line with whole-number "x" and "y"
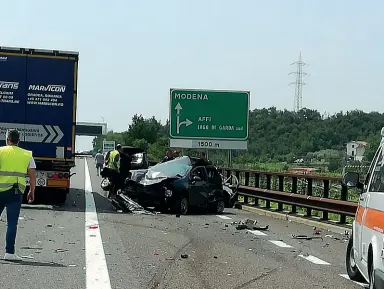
{"x": 352, "y": 270}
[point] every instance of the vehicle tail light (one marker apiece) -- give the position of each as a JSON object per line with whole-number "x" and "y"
{"x": 60, "y": 175}
{"x": 66, "y": 175}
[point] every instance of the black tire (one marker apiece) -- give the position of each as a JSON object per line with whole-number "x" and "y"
{"x": 352, "y": 270}
{"x": 219, "y": 206}
{"x": 181, "y": 206}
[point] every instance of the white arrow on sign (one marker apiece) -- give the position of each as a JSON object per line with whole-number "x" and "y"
{"x": 178, "y": 107}
{"x": 59, "y": 134}
{"x": 33, "y": 132}
{"x": 51, "y": 134}
{"x": 187, "y": 122}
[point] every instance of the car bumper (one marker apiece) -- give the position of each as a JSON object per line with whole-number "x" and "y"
{"x": 379, "y": 279}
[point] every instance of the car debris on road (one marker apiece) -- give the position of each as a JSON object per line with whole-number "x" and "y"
{"x": 126, "y": 204}
{"x": 249, "y": 224}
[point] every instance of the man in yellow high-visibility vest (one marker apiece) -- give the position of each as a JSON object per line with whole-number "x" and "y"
{"x": 15, "y": 163}
{"x": 114, "y": 158}
{"x": 114, "y": 165}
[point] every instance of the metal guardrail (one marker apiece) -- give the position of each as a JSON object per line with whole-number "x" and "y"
{"x": 293, "y": 192}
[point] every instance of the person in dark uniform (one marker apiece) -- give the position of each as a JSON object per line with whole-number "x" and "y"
{"x": 125, "y": 167}
{"x": 202, "y": 161}
{"x": 168, "y": 156}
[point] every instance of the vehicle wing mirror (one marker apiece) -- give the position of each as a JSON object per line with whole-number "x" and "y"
{"x": 351, "y": 180}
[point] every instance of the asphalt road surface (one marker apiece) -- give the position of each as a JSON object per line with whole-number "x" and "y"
{"x": 77, "y": 246}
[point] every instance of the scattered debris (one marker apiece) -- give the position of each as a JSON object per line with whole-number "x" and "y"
{"x": 72, "y": 265}
{"x": 93, "y": 227}
{"x": 344, "y": 239}
{"x": 126, "y": 204}
{"x": 61, "y": 250}
{"x": 305, "y": 237}
{"x": 250, "y": 225}
{"x": 31, "y": 248}
{"x": 317, "y": 231}
{"x": 49, "y": 226}
{"x": 184, "y": 256}
{"x": 170, "y": 258}
{"x": 215, "y": 257}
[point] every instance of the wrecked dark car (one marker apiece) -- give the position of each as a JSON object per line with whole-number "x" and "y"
{"x": 179, "y": 186}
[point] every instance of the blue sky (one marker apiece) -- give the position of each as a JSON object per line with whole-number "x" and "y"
{"x": 132, "y": 52}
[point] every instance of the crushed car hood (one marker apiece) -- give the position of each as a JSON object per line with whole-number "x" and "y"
{"x": 171, "y": 170}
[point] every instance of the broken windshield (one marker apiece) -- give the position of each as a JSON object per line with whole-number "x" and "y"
{"x": 175, "y": 168}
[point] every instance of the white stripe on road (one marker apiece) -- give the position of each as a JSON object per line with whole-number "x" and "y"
{"x": 280, "y": 244}
{"x": 223, "y": 217}
{"x": 314, "y": 260}
{"x": 358, "y": 283}
{"x": 97, "y": 276}
{"x": 257, "y": 233}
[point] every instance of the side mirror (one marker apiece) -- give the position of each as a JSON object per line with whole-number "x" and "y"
{"x": 351, "y": 180}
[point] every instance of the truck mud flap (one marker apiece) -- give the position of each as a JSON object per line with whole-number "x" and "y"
{"x": 124, "y": 203}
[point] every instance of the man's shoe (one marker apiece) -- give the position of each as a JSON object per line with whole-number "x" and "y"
{"x": 12, "y": 257}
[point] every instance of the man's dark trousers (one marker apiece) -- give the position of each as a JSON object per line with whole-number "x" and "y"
{"x": 12, "y": 201}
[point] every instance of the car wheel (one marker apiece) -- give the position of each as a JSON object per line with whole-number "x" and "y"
{"x": 184, "y": 206}
{"x": 220, "y": 206}
{"x": 352, "y": 270}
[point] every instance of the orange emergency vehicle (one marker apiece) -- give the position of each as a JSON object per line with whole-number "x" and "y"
{"x": 365, "y": 250}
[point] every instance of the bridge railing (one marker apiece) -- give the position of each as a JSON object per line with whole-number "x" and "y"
{"x": 303, "y": 194}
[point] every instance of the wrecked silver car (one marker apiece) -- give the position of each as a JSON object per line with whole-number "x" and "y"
{"x": 180, "y": 186}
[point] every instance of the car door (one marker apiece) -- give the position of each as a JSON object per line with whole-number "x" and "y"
{"x": 198, "y": 190}
{"x": 372, "y": 219}
{"x": 214, "y": 180}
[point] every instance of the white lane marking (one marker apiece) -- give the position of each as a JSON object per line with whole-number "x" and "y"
{"x": 280, "y": 244}
{"x": 97, "y": 276}
{"x": 223, "y": 217}
{"x": 358, "y": 283}
{"x": 257, "y": 233}
{"x": 314, "y": 260}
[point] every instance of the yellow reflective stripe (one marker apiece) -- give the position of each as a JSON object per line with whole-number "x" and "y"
{"x": 12, "y": 174}
{"x": 6, "y": 185}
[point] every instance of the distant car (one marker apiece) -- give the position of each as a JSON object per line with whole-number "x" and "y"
{"x": 179, "y": 186}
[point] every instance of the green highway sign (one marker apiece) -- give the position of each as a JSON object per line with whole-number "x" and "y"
{"x": 209, "y": 114}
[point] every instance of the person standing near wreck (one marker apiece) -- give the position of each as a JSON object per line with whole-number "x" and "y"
{"x": 15, "y": 163}
{"x": 168, "y": 156}
{"x": 99, "y": 159}
{"x": 202, "y": 161}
